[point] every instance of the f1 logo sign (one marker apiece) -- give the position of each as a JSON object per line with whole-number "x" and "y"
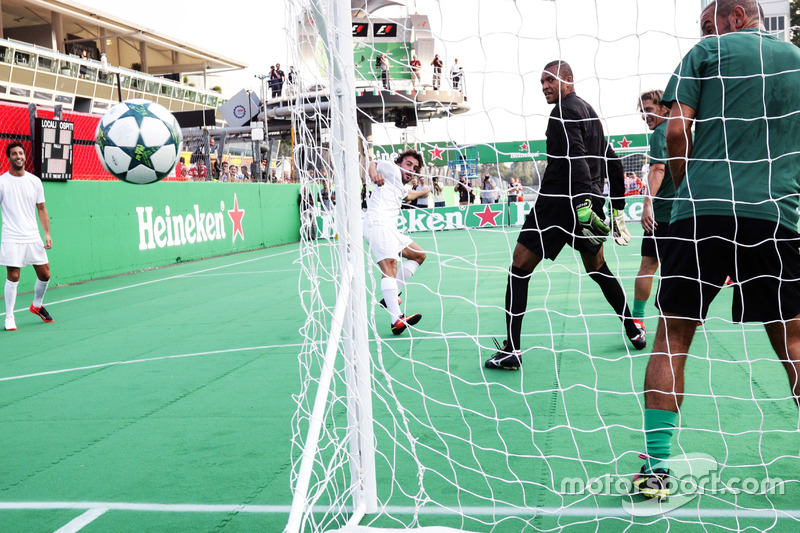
{"x": 385, "y": 30}
{"x": 360, "y": 30}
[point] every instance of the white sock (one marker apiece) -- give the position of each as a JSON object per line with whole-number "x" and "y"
{"x": 10, "y": 294}
{"x": 405, "y": 272}
{"x": 38, "y": 292}
{"x": 389, "y": 291}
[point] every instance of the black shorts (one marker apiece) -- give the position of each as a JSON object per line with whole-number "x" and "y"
{"x": 654, "y": 244}
{"x": 761, "y": 257}
{"x": 552, "y": 223}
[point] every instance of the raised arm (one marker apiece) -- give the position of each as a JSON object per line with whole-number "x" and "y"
{"x": 376, "y": 178}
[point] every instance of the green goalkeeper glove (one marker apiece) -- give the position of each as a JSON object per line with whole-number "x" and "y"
{"x": 621, "y": 234}
{"x": 590, "y": 224}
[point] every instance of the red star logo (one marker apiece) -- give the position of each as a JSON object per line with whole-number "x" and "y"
{"x": 436, "y": 153}
{"x": 487, "y": 216}
{"x": 624, "y": 143}
{"x": 523, "y": 147}
{"x": 236, "y": 215}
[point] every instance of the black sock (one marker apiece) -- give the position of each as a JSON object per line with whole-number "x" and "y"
{"x": 615, "y": 296}
{"x": 516, "y": 302}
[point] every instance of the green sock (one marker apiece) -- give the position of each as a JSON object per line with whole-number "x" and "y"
{"x": 658, "y": 428}
{"x": 638, "y": 308}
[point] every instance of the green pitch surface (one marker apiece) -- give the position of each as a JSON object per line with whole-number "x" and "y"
{"x": 162, "y": 401}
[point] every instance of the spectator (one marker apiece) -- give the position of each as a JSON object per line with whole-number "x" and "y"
{"x": 245, "y": 173}
{"x": 281, "y": 78}
{"x": 438, "y": 193}
{"x": 410, "y": 186}
{"x": 383, "y": 68}
{"x": 224, "y": 173}
{"x": 274, "y": 80}
{"x": 292, "y": 78}
{"x": 415, "y": 65}
{"x": 455, "y": 74}
{"x": 633, "y": 185}
{"x": 364, "y": 205}
{"x": 423, "y": 201}
{"x": 84, "y": 70}
{"x": 510, "y": 192}
{"x": 437, "y": 72}
{"x": 199, "y": 171}
{"x": 488, "y": 190}
{"x": 465, "y": 194}
{"x": 184, "y": 172}
{"x": 325, "y": 197}
{"x": 308, "y": 223}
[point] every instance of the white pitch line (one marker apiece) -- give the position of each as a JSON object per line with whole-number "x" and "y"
{"x": 149, "y": 359}
{"x": 583, "y": 512}
{"x": 142, "y": 284}
{"x": 82, "y": 521}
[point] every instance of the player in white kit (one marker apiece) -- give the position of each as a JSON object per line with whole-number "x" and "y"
{"x": 21, "y": 198}
{"x": 380, "y": 229}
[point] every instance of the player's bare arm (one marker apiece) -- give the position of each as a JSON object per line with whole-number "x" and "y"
{"x": 679, "y": 139}
{"x": 44, "y": 218}
{"x": 654, "y": 179}
{"x": 376, "y": 178}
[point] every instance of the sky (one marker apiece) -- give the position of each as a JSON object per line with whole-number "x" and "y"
{"x": 617, "y": 49}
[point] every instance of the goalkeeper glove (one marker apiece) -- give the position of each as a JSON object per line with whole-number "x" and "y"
{"x": 590, "y": 224}
{"x": 621, "y": 234}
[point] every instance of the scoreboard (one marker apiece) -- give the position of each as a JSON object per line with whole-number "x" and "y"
{"x": 52, "y": 150}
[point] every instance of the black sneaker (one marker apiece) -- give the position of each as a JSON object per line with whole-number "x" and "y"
{"x": 42, "y": 313}
{"x": 382, "y": 303}
{"x": 639, "y": 340}
{"x": 401, "y": 323}
{"x": 655, "y": 484}
{"x": 504, "y": 359}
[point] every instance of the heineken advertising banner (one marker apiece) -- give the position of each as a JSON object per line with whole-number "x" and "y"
{"x": 105, "y": 228}
{"x": 468, "y": 217}
{"x": 440, "y": 153}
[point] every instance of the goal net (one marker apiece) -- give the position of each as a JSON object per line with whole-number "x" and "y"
{"x": 413, "y": 431}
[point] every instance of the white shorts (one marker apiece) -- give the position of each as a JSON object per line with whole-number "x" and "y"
{"x": 22, "y": 254}
{"x": 386, "y": 242}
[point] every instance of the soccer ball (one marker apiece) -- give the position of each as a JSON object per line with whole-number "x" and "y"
{"x": 138, "y": 141}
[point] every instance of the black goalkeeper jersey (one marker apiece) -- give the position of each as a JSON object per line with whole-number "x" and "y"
{"x": 579, "y": 158}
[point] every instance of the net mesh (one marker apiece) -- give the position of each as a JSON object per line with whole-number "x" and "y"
{"x": 554, "y": 446}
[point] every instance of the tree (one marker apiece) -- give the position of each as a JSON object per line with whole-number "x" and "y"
{"x": 794, "y": 21}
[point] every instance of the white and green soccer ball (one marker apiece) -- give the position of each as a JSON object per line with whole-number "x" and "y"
{"x": 138, "y": 141}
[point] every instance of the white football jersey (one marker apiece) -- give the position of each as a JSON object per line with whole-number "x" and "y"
{"x": 18, "y": 198}
{"x": 385, "y": 201}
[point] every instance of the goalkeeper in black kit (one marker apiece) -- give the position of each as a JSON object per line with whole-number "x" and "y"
{"x": 569, "y": 210}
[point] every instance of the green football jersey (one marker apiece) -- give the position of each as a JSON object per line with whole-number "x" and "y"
{"x": 745, "y": 160}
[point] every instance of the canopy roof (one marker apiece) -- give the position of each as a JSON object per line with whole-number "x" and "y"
{"x": 70, "y": 27}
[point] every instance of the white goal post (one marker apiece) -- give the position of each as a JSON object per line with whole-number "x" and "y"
{"x": 413, "y": 431}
